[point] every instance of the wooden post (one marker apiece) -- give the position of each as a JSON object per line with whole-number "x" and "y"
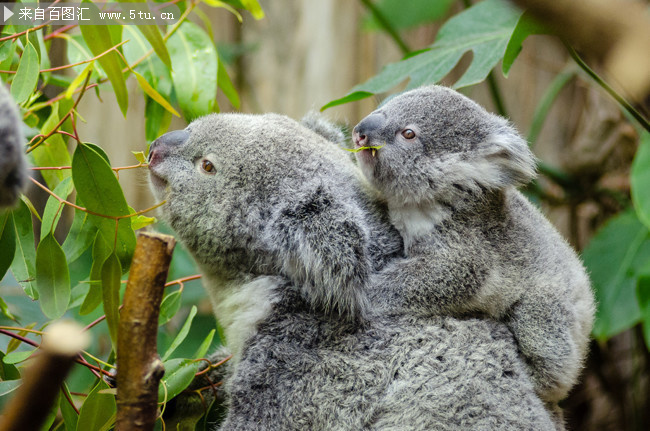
{"x": 139, "y": 368}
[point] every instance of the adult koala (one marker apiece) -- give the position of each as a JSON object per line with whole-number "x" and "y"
{"x": 286, "y": 233}
{"x": 13, "y": 167}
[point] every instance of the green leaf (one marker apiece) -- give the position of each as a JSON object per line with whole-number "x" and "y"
{"x": 79, "y": 80}
{"x": 53, "y": 208}
{"x": 98, "y": 39}
{"x": 224, "y": 82}
{"x": 111, "y": 272}
{"x": 401, "y": 14}
{"x": 17, "y": 357}
{"x": 26, "y": 76}
{"x": 152, "y": 34}
{"x": 70, "y": 416}
{"x": 254, "y": 8}
{"x": 52, "y": 278}
{"x": 179, "y": 373}
{"x": 139, "y": 156}
{"x": 640, "y": 179}
{"x": 8, "y": 371}
{"x": 149, "y": 90}
{"x": 53, "y": 152}
{"x": 154, "y": 37}
{"x": 22, "y": 266}
{"x": 526, "y": 26}
{"x": 140, "y": 221}
{"x": 169, "y": 307}
{"x": 194, "y": 61}
{"x": 205, "y": 345}
{"x": 100, "y": 191}
{"x": 7, "y": 242}
{"x": 613, "y": 259}
{"x": 4, "y": 308}
{"x": 94, "y": 297}
{"x": 97, "y": 410}
{"x": 180, "y": 337}
{"x": 81, "y": 235}
{"x": 484, "y": 29}
{"x": 157, "y": 120}
{"x": 9, "y": 386}
{"x": 643, "y": 296}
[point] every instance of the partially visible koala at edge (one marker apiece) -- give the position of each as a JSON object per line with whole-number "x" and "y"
{"x": 448, "y": 170}
{"x": 13, "y": 166}
{"x": 285, "y": 232}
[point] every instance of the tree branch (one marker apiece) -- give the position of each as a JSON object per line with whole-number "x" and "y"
{"x": 139, "y": 367}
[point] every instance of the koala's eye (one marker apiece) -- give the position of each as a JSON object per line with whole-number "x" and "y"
{"x": 408, "y": 133}
{"x": 208, "y": 167}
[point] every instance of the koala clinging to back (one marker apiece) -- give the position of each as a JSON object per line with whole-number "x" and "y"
{"x": 448, "y": 171}
{"x": 287, "y": 235}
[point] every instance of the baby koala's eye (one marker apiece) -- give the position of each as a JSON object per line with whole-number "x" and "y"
{"x": 208, "y": 167}
{"x": 408, "y": 133}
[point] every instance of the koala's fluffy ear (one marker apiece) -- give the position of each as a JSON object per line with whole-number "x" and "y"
{"x": 13, "y": 166}
{"x": 511, "y": 161}
{"x": 318, "y": 123}
{"x": 323, "y": 249}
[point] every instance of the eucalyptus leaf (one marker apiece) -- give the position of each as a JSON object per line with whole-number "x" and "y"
{"x": 7, "y": 242}
{"x": 613, "y": 258}
{"x": 484, "y": 29}
{"x": 179, "y": 373}
{"x": 100, "y": 191}
{"x": 111, "y": 272}
{"x": 640, "y": 179}
{"x": 98, "y": 39}
{"x": 53, "y": 208}
{"x": 195, "y": 67}
{"x": 22, "y": 266}
{"x": 26, "y": 76}
{"x": 180, "y": 337}
{"x": 97, "y": 410}
{"x": 53, "y": 152}
{"x": 94, "y": 297}
{"x": 81, "y": 235}
{"x": 52, "y": 277}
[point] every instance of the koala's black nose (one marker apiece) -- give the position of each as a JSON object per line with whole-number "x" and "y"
{"x": 171, "y": 139}
{"x": 369, "y": 124}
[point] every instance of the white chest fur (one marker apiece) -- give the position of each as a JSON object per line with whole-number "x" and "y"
{"x": 240, "y": 305}
{"x": 415, "y": 221}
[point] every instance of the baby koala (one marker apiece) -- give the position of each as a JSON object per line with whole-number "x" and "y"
{"x": 448, "y": 171}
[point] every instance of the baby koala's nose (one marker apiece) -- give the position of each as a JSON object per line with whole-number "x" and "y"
{"x": 369, "y": 124}
{"x": 163, "y": 144}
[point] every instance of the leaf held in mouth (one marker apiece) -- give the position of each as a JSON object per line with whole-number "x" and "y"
{"x": 356, "y": 150}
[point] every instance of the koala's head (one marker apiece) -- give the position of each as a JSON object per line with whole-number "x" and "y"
{"x": 263, "y": 195}
{"x": 439, "y": 146}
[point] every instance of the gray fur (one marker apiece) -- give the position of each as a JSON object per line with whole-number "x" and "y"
{"x": 474, "y": 244}
{"x": 288, "y": 236}
{"x": 13, "y": 167}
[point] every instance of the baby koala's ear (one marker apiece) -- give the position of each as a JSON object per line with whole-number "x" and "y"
{"x": 513, "y": 164}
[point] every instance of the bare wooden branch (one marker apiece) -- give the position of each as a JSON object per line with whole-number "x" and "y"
{"x": 139, "y": 367}
{"x": 42, "y": 380}
{"x": 614, "y": 32}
